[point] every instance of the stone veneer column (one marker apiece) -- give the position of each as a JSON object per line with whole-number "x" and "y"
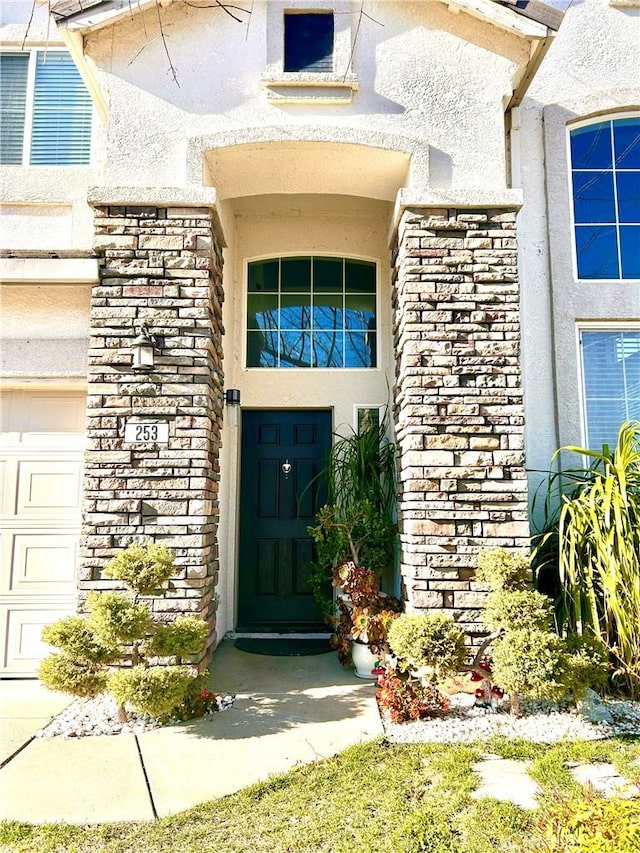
{"x": 459, "y": 410}
{"x": 160, "y": 263}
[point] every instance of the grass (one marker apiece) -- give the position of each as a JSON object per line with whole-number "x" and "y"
{"x": 372, "y": 798}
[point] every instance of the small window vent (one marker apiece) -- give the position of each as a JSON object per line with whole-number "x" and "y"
{"x": 308, "y": 42}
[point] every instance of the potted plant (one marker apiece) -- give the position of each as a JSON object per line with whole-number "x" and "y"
{"x": 364, "y": 617}
{"x": 357, "y": 528}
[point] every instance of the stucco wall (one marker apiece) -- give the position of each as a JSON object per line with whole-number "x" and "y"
{"x": 44, "y": 330}
{"x": 592, "y": 67}
{"x": 427, "y": 76}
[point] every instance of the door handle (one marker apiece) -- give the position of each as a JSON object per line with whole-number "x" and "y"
{"x": 286, "y": 469}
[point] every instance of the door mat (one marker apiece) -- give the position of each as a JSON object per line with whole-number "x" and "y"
{"x": 282, "y": 647}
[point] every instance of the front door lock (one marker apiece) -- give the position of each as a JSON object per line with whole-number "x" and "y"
{"x": 286, "y": 469}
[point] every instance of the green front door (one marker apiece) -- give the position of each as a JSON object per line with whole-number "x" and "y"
{"x": 282, "y": 453}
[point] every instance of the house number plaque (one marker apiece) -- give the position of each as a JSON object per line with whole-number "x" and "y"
{"x": 146, "y": 432}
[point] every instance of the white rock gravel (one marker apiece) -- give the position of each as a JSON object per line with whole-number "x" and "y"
{"x": 99, "y": 716}
{"x": 541, "y": 722}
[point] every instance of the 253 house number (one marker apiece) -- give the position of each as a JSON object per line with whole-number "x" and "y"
{"x": 146, "y": 432}
{"x": 154, "y": 432}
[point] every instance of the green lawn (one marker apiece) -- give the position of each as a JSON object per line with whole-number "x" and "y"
{"x": 382, "y": 798}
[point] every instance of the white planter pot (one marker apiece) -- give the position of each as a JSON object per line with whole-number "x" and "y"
{"x": 363, "y": 660}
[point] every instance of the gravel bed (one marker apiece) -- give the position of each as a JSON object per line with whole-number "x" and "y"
{"x": 99, "y": 716}
{"x": 541, "y": 722}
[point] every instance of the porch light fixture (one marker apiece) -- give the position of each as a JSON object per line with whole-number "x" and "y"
{"x": 144, "y": 348}
{"x": 232, "y": 396}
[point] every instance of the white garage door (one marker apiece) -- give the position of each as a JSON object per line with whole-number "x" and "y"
{"x": 41, "y": 451}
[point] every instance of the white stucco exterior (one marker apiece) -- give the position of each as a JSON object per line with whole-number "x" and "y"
{"x": 591, "y": 70}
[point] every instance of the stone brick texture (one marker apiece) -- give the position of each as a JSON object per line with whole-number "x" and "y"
{"x": 163, "y": 267}
{"x": 458, "y": 404}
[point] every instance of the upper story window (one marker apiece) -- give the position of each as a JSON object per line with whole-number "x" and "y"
{"x": 311, "y": 312}
{"x": 611, "y": 382}
{"x": 308, "y": 41}
{"x": 46, "y": 110}
{"x": 605, "y": 174}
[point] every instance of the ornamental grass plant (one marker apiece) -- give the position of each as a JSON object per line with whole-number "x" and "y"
{"x": 590, "y": 548}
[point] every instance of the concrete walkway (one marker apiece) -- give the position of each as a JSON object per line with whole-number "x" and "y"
{"x": 288, "y": 711}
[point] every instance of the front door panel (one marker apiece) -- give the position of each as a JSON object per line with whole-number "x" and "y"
{"x": 277, "y": 504}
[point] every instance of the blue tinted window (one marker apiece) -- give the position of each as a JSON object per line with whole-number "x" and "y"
{"x": 605, "y": 163}
{"x": 311, "y": 312}
{"x": 308, "y": 42}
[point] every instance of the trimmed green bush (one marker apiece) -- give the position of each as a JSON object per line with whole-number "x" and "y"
{"x": 511, "y": 609}
{"x": 151, "y": 690}
{"x": 499, "y": 569}
{"x": 185, "y": 636}
{"x": 143, "y": 568}
{"x": 530, "y": 662}
{"x": 115, "y": 619}
{"x": 119, "y": 629}
{"x": 59, "y": 672}
{"x": 428, "y": 643}
{"x": 76, "y": 639}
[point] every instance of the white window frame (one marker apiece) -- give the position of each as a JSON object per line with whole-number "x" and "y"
{"x": 576, "y": 125}
{"x": 595, "y": 326}
{"x": 358, "y": 407}
{"x": 28, "y": 113}
{"x": 309, "y": 370}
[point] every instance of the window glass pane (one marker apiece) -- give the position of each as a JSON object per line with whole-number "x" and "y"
{"x": 626, "y": 141}
{"x": 262, "y": 349}
{"x": 360, "y": 349}
{"x": 295, "y": 312}
{"x": 597, "y": 251}
{"x": 328, "y": 349}
{"x": 61, "y": 133}
{"x": 628, "y": 196}
{"x": 593, "y": 197}
{"x": 611, "y": 367}
{"x": 360, "y": 276}
{"x": 303, "y": 321}
{"x": 295, "y": 275}
{"x": 327, "y": 275}
{"x": 295, "y": 349}
{"x": 368, "y": 418}
{"x": 13, "y": 101}
{"x": 327, "y": 311}
{"x": 308, "y": 42}
{"x": 263, "y": 275}
{"x": 262, "y": 311}
{"x": 591, "y": 147}
{"x": 360, "y": 312}
{"x": 630, "y": 251}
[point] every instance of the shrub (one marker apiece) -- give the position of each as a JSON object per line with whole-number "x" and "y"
{"x": 151, "y": 690}
{"x": 185, "y": 636}
{"x": 586, "y": 824}
{"x": 143, "y": 568}
{"x": 511, "y": 609}
{"x": 60, "y": 672}
{"x": 76, "y": 639}
{"x": 428, "y": 643}
{"x": 115, "y": 619}
{"x": 499, "y": 569}
{"x": 586, "y": 664}
{"x": 529, "y": 662}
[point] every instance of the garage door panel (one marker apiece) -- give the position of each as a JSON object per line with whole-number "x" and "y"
{"x": 41, "y": 449}
{"x": 49, "y": 488}
{"x": 22, "y": 631}
{"x": 41, "y": 562}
